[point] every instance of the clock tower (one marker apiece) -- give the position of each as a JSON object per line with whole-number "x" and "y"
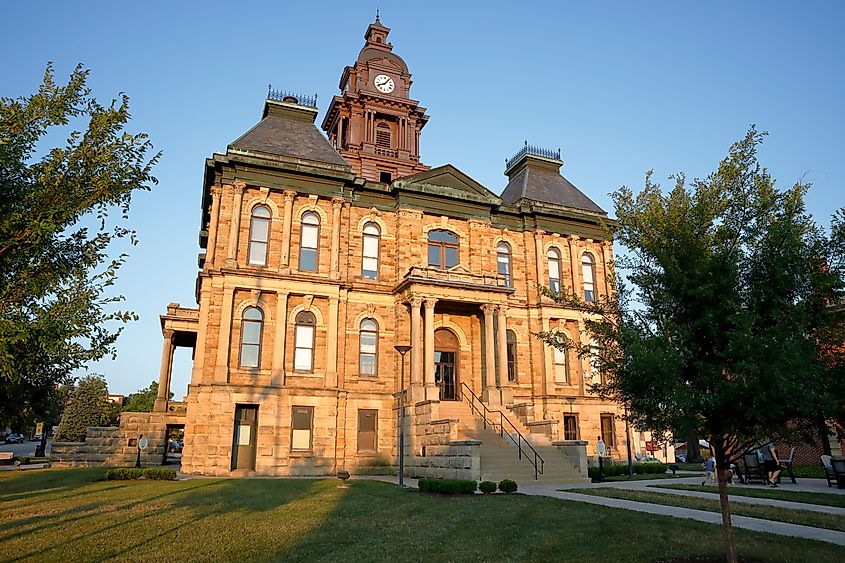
{"x": 373, "y": 123}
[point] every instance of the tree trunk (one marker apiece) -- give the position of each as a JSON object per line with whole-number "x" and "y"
{"x": 722, "y": 468}
{"x": 693, "y": 449}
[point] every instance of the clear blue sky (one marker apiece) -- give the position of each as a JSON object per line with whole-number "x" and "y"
{"x": 621, "y": 87}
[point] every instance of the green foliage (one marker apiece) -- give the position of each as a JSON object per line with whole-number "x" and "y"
{"x": 448, "y": 486}
{"x": 56, "y": 231}
{"x": 132, "y": 473}
{"x": 143, "y": 400}
{"x": 89, "y": 406}
{"x": 487, "y": 487}
{"x": 507, "y": 486}
{"x": 23, "y": 459}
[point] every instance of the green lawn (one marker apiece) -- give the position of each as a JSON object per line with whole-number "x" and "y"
{"x": 778, "y": 494}
{"x": 67, "y": 515}
{"x": 803, "y": 517}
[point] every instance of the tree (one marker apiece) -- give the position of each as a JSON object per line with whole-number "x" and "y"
{"x": 89, "y": 406}
{"x": 56, "y": 231}
{"x": 723, "y": 324}
{"x": 143, "y": 400}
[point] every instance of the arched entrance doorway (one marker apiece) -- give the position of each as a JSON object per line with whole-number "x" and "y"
{"x": 446, "y": 351}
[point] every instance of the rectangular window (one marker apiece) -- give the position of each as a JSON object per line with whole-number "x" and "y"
{"x": 561, "y": 368}
{"x": 554, "y": 275}
{"x": 607, "y": 433}
{"x": 368, "y": 353}
{"x": 570, "y": 427}
{"x": 434, "y": 255}
{"x": 370, "y": 260}
{"x": 385, "y": 177}
{"x": 367, "y": 430}
{"x": 302, "y": 420}
{"x": 504, "y": 269}
{"x": 304, "y": 353}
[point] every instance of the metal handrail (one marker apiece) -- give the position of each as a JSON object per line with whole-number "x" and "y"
{"x": 482, "y": 411}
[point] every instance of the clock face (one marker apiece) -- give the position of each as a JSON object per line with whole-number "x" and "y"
{"x": 384, "y": 83}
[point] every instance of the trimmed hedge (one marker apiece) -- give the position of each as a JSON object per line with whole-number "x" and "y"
{"x": 507, "y": 486}
{"x": 131, "y": 473}
{"x": 487, "y": 487}
{"x": 23, "y": 459}
{"x": 622, "y": 469}
{"x": 448, "y": 486}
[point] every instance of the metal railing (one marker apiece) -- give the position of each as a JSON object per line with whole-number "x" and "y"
{"x": 532, "y": 150}
{"x": 489, "y": 417}
{"x": 284, "y": 96}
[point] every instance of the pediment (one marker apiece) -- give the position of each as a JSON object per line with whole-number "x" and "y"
{"x": 454, "y": 181}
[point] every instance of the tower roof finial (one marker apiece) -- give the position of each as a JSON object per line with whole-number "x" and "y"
{"x": 377, "y": 14}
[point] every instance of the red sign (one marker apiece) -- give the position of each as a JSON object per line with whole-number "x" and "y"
{"x": 651, "y": 446}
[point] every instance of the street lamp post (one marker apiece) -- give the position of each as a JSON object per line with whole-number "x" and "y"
{"x": 402, "y": 351}
{"x": 628, "y": 444}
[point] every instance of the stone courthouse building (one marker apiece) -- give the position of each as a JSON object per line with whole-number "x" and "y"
{"x": 325, "y": 250}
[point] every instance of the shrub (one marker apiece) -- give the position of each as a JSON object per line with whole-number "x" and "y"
{"x": 448, "y": 486}
{"x": 507, "y": 486}
{"x": 487, "y": 487}
{"x": 130, "y": 473}
{"x": 23, "y": 459}
{"x": 622, "y": 469}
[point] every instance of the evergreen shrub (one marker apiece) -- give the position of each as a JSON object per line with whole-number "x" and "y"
{"x": 507, "y": 486}
{"x": 448, "y": 486}
{"x": 487, "y": 487}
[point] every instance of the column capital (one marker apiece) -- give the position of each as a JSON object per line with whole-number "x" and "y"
{"x": 502, "y": 308}
{"x": 429, "y": 302}
{"x": 239, "y": 186}
{"x": 573, "y": 238}
{"x": 167, "y": 333}
{"x": 539, "y": 232}
{"x": 337, "y": 201}
{"x": 216, "y": 190}
{"x": 289, "y": 195}
{"x": 415, "y": 301}
{"x": 488, "y": 308}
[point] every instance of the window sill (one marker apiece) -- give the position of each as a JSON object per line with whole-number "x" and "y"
{"x": 367, "y": 454}
{"x": 301, "y": 453}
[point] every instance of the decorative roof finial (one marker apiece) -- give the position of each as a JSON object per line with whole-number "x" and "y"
{"x": 377, "y": 20}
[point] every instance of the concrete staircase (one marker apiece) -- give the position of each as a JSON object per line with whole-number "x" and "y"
{"x": 500, "y": 456}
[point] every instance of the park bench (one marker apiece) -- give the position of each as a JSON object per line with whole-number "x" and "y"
{"x": 838, "y": 464}
{"x": 753, "y": 468}
{"x": 7, "y": 458}
{"x": 829, "y": 474}
{"x": 786, "y": 465}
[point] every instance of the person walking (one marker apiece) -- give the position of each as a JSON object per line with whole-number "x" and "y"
{"x": 710, "y": 468}
{"x": 771, "y": 463}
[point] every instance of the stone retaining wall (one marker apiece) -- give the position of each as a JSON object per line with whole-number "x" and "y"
{"x": 459, "y": 459}
{"x": 109, "y": 446}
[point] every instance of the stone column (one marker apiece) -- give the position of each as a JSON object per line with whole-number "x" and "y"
{"x": 211, "y": 245}
{"x": 165, "y": 372}
{"x": 575, "y": 260}
{"x": 491, "y": 393}
{"x": 198, "y": 371}
{"x": 416, "y": 350}
{"x": 339, "y": 139}
{"x": 331, "y": 345}
{"x": 286, "y": 227}
{"x": 221, "y": 370}
{"x": 277, "y": 371}
{"x": 432, "y": 393}
{"x": 504, "y": 384}
{"x": 541, "y": 259}
{"x": 608, "y": 266}
{"x": 337, "y": 205}
{"x": 235, "y": 229}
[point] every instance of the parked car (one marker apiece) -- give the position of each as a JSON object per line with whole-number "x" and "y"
{"x": 680, "y": 458}
{"x": 14, "y": 439}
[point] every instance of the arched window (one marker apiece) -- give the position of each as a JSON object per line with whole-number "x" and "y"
{"x": 588, "y": 276}
{"x": 308, "y": 242}
{"x": 554, "y": 269}
{"x": 383, "y": 135}
{"x": 259, "y": 235}
{"x": 368, "y": 348}
{"x": 503, "y": 259}
{"x": 252, "y": 324}
{"x": 511, "y": 337}
{"x": 303, "y": 352}
{"x": 369, "y": 263}
{"x": 442, "y": 249}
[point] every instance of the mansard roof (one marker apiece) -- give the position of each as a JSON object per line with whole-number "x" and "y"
{"x": 287, "y": 129}
{"x": 536, "y": 177}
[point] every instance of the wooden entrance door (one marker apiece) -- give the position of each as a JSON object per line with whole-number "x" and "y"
{"x": 243, "y": 441}
{"x": 446, "y": 364}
